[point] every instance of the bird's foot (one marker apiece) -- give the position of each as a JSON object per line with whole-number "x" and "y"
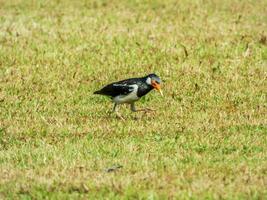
{"x": 116, "y": 115}
{"x": 119, "y": 116}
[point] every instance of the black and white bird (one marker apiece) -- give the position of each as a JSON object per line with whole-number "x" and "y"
{"x": 130, "y": 90}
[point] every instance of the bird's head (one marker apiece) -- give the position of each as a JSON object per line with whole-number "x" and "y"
{"x": 154, "y": 81}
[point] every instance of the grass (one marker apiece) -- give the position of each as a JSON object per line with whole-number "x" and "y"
{"x": 207, "y": 139}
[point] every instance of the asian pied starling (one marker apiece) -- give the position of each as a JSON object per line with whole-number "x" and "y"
{"x": 130, "y": 90}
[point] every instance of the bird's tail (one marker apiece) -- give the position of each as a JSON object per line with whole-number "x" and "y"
{"x": 97, "y": 92}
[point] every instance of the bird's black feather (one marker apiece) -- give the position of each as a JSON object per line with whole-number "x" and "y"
{"x": 124, "y": 87}
{"x": 115, "y": 89}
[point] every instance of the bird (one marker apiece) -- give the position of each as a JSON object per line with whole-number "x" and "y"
{"x": 130, "y": 90}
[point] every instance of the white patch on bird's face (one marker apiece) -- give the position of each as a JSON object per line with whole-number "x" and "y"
{"x": 129, "y": 98}
{"x": 148, "y": 81}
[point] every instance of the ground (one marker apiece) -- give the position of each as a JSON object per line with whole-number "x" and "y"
{"x": 207, "y": 137}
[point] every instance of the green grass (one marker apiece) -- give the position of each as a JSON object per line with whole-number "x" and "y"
{"x": 207, "y": 139}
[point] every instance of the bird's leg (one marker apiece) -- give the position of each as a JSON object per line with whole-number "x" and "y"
{"x": 114, "y": 110}
{"x": 144, "y": 110}
{"x": 133, "y": 107}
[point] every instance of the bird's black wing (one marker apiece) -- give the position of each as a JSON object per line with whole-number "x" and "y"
{"x": 131, "y": 81}
{"x": 115, "y": 89}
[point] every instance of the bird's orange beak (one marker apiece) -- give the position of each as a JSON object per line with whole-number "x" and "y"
{"x": 156, "y": 86}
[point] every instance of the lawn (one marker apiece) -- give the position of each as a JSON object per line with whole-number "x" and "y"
{"x": 207, "y": 138}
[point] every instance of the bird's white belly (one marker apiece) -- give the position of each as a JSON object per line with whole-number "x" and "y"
{"x": 131, "y": 97}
